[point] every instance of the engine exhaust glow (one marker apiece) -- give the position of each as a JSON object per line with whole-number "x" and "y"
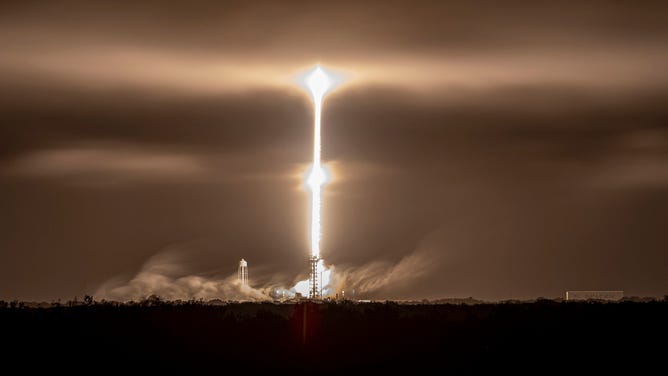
{"x": 318, "y": 83}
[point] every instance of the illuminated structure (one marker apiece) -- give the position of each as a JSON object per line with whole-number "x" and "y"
{"x": 318, "y": 83}
{"x": 243, "y": 272}
{"x": 314, "y": 290}
{"x": 595, "y": 295}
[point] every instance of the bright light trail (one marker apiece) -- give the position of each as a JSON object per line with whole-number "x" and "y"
{"x": 319, "y": 83}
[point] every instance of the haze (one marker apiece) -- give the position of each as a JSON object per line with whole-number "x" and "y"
{"x": 498, "y": 151}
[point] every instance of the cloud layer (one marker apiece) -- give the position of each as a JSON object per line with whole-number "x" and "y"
{"x": 533, "y": 136}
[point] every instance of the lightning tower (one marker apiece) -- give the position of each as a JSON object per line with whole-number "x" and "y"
{"x": 243, "y": 272}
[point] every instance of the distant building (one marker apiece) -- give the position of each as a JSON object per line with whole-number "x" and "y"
{"x": 243, "y": 272}
{"x": 594, "y": 295}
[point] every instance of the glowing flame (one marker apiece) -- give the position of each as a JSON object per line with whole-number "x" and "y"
{"x": 319, "y": 83}
{"x": 314, "y": 179}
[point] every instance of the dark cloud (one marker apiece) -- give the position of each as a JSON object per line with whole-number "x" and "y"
{"x": 477, "y": 151}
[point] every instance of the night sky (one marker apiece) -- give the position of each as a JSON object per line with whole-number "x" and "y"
{"x": 511, "y": 150}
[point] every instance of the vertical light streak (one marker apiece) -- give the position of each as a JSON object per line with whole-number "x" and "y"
{"x": 318, "y": 83}
{"x": 316, "y": 189}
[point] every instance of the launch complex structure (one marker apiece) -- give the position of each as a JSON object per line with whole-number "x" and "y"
{"x": 315, "y": 290}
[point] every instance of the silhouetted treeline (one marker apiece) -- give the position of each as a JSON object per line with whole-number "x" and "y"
{"x": 335, "y": 336}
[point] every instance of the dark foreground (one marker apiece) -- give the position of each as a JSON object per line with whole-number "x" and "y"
{"x": 335, "y": 337}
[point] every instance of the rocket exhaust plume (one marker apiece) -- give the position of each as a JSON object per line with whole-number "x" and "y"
{"x": 319, "y": 83}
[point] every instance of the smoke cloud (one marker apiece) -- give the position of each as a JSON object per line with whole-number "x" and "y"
{"x": 387, "y": 279}
{"x": 166, "y": 275}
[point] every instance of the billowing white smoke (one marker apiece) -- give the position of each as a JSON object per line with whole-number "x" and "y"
{"x": 383, "y": 279}
{"x": 165, "y": 275}
{"x": 325, "y": 278}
